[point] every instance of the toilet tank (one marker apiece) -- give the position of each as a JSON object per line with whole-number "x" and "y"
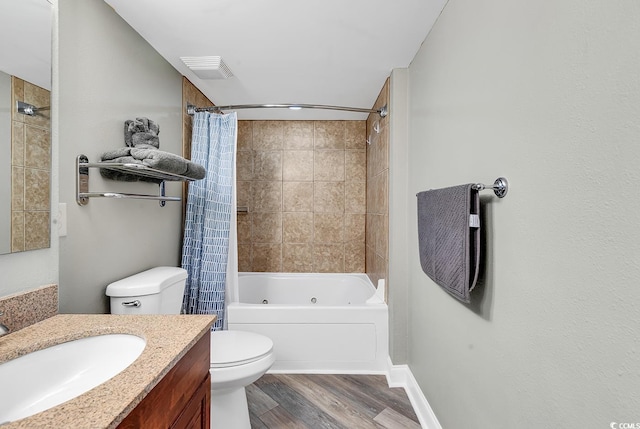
{"x": 155, "y": 291}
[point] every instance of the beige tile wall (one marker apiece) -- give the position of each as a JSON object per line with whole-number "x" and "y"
{"x": 304, "y": 183}
{"x": 30, "y": 169}
{"x": 377, "y": 228}
{"x": 195, "y": 97}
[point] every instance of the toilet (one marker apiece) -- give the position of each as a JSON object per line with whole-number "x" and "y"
{"x": 238, "y": 358}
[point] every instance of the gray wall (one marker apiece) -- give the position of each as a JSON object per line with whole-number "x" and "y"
{"x": 399, "y": 253}
{"x": 546, "y": 94}
{"x": 109, "y": 74}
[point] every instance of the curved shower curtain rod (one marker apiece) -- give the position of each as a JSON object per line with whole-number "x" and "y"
{"x": 191, "y": 110}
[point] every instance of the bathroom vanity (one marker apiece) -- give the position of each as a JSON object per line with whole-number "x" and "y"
{"x": 182, "y": 398}
{"x": 168, "y": 385}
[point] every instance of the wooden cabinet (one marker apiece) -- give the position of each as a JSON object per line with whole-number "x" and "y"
{"x": 182, "y": 399}
{"x": 196, "y": 415}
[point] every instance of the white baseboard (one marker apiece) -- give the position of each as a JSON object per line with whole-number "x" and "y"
{"x": 401, "y": 376}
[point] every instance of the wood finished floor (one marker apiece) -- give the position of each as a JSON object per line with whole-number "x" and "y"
{"x": 304, "y": 401}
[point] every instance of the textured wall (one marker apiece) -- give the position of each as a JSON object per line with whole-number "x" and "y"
{"x": 546, "y": 94}
{"x": 5, "y": 163}
{"x": 377, "y": 229}
{"x": 304, "y": 183}
{"x": 30, "y": 169}
{"x": 190, "y": 96}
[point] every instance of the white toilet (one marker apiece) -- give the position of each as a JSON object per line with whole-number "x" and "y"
{"x": 238, "y": 358}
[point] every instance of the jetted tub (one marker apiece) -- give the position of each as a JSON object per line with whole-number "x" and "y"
{"x": 319, "y": 323}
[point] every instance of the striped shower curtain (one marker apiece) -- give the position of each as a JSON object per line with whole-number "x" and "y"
{"x": 208, "y": 249}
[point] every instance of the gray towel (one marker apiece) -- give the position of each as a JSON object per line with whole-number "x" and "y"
{"x": 151, "y": 157}
{"x": 141, "y": 138}
{"x": 141, "y": 131}
{"x": 449, "y": 246}
{"x": 169, "y": 162}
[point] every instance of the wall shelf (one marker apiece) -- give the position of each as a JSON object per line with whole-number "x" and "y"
{"x": 147, "y": 173}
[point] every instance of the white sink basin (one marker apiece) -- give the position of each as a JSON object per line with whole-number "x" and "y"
{"x": 45, "y": 378}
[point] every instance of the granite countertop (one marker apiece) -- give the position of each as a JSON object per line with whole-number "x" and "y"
{"x": 168, "y": 338}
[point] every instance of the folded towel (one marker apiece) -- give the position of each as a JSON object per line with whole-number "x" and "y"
{"x": 142, "y": 143}
{"x": 114, "y": 154}
{"x": 154, "y": 158}
{"x": 141, "y": 131}
{"x": 169, "y": 162}
{"x": 449, "y": 246}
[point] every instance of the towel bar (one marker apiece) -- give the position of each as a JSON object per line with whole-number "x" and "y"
{"x": 123, "y": 195}
{"x": 82, "y": 181}
{"x": 500, "y": 187}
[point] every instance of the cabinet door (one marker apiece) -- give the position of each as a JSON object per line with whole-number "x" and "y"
{"x": 187, "y": 381}
{"x": 196, "y": 415}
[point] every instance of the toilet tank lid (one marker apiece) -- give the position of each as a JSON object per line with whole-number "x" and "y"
{"x": 147, "y": 282}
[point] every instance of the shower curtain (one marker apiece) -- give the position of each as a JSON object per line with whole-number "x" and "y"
{"x": 209, "y": 252}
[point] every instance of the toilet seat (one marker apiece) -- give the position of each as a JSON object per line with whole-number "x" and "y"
{"x": 235, "y": 348}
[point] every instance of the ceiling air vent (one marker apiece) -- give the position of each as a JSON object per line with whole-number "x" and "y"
{"x": 208, "y": 67}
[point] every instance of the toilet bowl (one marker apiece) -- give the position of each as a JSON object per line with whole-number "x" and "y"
{"x": 238, "y": 358}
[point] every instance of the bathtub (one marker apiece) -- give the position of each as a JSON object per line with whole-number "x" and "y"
{"x": 319, "y": 323}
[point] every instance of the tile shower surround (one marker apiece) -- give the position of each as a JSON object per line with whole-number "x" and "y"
{"x": 304, "y": 183}
{"x": 30, "y": 169}
{"x": 190, "y": 96}
{"x": 293, "y": 246}
{"x": 377, "y": 227}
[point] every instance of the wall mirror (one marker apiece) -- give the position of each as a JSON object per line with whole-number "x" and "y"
{"x": 25, "y": 136}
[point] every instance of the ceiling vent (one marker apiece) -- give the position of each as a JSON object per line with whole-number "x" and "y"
{"x": 208, "y": 67}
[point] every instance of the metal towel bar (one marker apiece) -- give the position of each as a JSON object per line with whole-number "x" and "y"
{"x": 500, "y": 187}
{"x": 82, "y": 181}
